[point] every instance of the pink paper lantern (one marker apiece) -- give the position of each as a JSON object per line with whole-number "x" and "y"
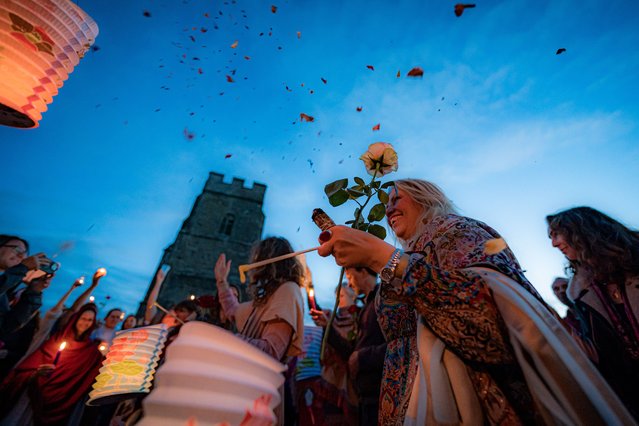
{"x": 41, "y": 41}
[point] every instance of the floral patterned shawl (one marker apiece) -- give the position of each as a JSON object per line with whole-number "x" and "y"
{"x": 458, "y": 308}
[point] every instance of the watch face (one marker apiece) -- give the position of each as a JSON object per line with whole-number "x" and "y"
{"x": 386, "y": 274}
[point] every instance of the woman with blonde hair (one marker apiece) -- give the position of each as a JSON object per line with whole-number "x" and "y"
{"x": 470, "y": 341}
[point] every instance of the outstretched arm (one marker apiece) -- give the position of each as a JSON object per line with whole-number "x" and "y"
{"x": 81, "y": 300}
{"x": 58, "y": 306}
{"x": 227, "y": 298}
{"x": 153, "y": 297}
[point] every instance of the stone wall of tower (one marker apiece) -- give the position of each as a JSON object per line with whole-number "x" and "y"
{"x": 225, "y": 218}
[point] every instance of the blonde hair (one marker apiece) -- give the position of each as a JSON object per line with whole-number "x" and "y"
{"x": 429, "y": 197}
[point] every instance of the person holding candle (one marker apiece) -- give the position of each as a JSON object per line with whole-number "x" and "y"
{"x": 469, "y": 338}
{"x": 53, "y": 390}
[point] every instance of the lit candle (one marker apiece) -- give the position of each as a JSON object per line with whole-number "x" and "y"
{"x": 57, "y": 355}
{"x": 121, "y": 316}
{"x": 103, "y": 348}
{"x": 311, "y": 299}
{"x": 91, "y": 299}
{"x": 81, "y": 280}
{"x": 193, "y": 297}
{"x": 102, "y": 271}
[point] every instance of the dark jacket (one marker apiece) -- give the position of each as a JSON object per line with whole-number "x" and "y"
{"x": 12, "y": 318}
{"x": 371, "y": 351}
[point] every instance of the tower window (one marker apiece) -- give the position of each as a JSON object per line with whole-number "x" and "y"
{"x": 227, "y": 224}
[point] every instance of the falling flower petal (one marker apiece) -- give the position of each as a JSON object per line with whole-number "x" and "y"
{"x": 234, "y": 45}
{"x": 494, "y": 246}
{"x": 359, "y": 109}
{"x": 248, "y": 58}
{"x": 230, "y": 79}
{"x": 459, "y": 8}
{"x": 560, "y": 51}
{"x": 199, "y": 71}
{"x": 376, "y": 127}
{"x": 308, "y": 118}
{"x": 323, "y": 80}
{"x": 146, "y": 13}
{"x": 189, "y": 135}
{"x": 416, "y": 72}
{"x": 299, "y": 34}
{"x": 228, "y": 156}
{"x": 399, "y": 74}
{"x": 370, "y": 67}
{"x": 273, "y": 9}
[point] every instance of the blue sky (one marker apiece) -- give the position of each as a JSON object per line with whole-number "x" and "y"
{"x": 510, "y": 130}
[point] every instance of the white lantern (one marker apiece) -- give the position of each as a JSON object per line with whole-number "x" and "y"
{"x": 41, "y": 41}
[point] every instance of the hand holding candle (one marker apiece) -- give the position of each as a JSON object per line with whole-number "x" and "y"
{"x": 311, "y": 299}
{"x": 101, "y": 272}
{"x": 57, "y": 355}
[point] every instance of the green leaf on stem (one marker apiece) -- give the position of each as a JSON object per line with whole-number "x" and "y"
{"x": 388, "y": 184}
{"x": 383, "y": 197}
{"x": 338, "y": 198}
{"x": 333, "y": 187}
{"x": 359, "y": 181}
{"x": 378, "y": 231}
{"x": 378, "y": 211}
{"x": 363, "y": 226}
{"x": 354, "y": 193}
{"x": 375, "y": 184}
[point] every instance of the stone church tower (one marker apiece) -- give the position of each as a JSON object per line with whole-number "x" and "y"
{"x": 226, "y": 218}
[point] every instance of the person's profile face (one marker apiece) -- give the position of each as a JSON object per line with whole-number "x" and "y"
{"x": 12, "y": 253}
{"x": 560, "y": 242}
{"x": 402, "y": 213}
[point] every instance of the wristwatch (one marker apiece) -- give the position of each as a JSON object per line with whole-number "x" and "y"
{"x": 388, "y": 272}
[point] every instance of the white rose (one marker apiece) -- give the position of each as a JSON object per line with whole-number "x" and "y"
{"x": 380, "y": 157}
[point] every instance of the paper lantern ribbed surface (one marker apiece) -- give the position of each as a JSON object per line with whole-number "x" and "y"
{"x": 41, "y": 41}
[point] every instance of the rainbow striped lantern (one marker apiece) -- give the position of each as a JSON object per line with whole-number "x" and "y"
{"x": 40, "y": 43}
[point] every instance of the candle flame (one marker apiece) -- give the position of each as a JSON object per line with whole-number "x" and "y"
{"x": 193, "y": 297}
{"x": 311, "y": 293}
{"x": 81, "y": 279}
{"x": 62, "y": 346}
{"x": 122, "y": 316}
{"x": 102, "y": 270}
{"x": 91, "y": 299}
{"x": 102, "y": 347}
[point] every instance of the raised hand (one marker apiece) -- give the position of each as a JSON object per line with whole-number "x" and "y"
{"x": 98, "y": 274}
{"x": 222, "y": 269}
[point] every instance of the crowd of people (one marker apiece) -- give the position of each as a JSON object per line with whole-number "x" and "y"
{"x": 445, "y": 331}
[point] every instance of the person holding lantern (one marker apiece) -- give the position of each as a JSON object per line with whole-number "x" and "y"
{"x": 46, "y": 386}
